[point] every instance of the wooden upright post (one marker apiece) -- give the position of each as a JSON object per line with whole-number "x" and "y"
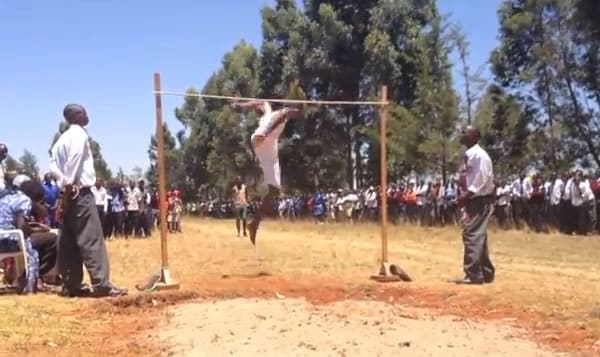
{"x": 166, "y": 281}
{"x": 387, "y": 272}
{"x": 383, "y": 111}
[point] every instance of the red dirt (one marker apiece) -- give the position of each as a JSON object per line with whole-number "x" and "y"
{"x": 133, "y": 315}
{"x": 465, "y": 303}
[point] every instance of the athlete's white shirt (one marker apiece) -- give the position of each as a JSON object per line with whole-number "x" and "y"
{"x": 268, "y": 151}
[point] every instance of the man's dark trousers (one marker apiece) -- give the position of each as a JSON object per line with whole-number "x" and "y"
{"x": 476, "y": 263}
{"x": 82, "y": 242}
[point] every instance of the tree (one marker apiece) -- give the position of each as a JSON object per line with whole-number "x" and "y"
{"x": 175, "y": 172}
{"x": 121, "y": 177}
{"x": 474, "y": 84}
{"x": 327, "y": 50}
{"x": 548, "y": 55}
{"x": 11, "y": 164}
{"x": 505, "y": 125}
{"x": 29, "y": 164}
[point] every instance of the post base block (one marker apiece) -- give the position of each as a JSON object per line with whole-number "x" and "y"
{"x": 166, "y": 281}
{"x": 389, "y": 273}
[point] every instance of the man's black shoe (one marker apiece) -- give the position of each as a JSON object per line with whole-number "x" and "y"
{"x": 468, "y": 281}
{"x": 112, "y": 292}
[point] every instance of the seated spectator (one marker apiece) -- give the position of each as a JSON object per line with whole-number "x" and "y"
{"x": 15, "y": 207}
{"x": 43, "y": 241}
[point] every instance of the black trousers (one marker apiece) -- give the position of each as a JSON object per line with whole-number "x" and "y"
{"x": 130, "y": 223}
{"x": 82, "y": 243}
{"x": 46, "y": 244}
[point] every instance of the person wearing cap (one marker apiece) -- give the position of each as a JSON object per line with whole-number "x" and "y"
{"x": 82, "y": 240}
{"x": 3, "y": 156}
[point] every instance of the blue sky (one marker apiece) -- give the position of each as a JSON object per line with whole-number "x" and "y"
{"x": 102, "y": 54}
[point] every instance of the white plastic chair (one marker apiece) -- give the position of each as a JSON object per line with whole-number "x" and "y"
{"x": 20, "y": 256}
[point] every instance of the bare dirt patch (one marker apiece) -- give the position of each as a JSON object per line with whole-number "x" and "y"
{"x": 295, "y": 327}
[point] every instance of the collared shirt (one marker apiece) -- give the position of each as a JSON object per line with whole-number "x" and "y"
{"x": 556, "y": 192}
{"x": 133, "y": 197}
{"x": 101, "y": 196}
{"x": 577, "y": 193}
{"x": 527, "y": 186}
{"x": 567, "y": 190}
{"x": 479, "y": 173}
{"x": 503, "y": 195}
{"x": 371, "y": 199}
{"x": 588, "y": 194}
{"x": 71, "y": 158}
{"x": 516, "y": 188}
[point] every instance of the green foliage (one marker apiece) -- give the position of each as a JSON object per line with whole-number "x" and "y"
{"x": 29, "y": 164}
{"x": 548, "y": 56}
{"x": 536, "y": 113}
{"x": 11, "y": 164}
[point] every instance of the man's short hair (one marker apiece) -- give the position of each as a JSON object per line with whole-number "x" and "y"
{"x": 70, "y": 110}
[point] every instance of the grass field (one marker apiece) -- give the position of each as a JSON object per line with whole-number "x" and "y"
{"x": 549, "y": 284}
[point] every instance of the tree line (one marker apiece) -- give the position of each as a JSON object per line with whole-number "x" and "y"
{"x": 540, "y": 108}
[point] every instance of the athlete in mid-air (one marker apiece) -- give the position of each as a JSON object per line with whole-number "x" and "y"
{"x": 266, "y": 148}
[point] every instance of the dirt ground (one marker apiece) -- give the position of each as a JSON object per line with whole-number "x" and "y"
{"x": 295, "y": 327}
{"x": 546, "y": 285}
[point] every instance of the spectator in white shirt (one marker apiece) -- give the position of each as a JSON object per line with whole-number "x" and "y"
{"x": 516, "y": 202}
{"x": 502, "y": 204}
{"x": 133, "y": 195}
{"x": 101, "y": 198}
{"x": 477, "y": 200}
{"x": 371, "y": 203}
{"x": 555, "y": 194}
{"x": 82, "y": 240}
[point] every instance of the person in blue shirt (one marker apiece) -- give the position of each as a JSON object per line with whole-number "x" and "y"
{"x": 51, "y": 193}
{"x": 15, "y": 207}
{"x": 319, "y": 208}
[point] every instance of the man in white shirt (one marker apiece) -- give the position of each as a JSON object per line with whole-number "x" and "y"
{"x": 82, "y": 240}
{"x": 265, "y": 142}
{"x": 101, "y": 198}
{"x": 478, "y": 201}
{"x": 134, "y": 195}
{"x": 502, "y": 204}
{"x": 555, "y": 194}
{"x": 371, "y": 203}
{"x": 516, "y": 201}
{"x": 3, "y": 155}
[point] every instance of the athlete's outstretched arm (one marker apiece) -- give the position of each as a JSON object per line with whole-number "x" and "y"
{"x": 254, "y": 104}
